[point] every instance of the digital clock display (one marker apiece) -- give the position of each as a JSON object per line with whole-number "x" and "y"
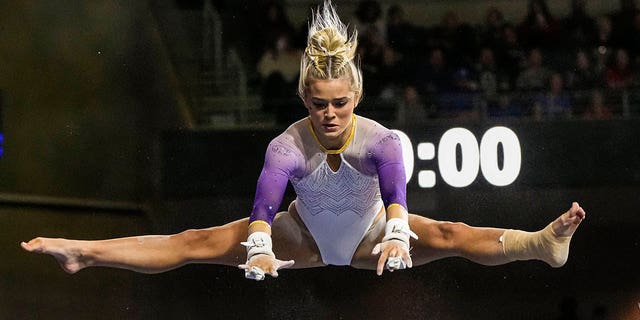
{"x": 460, "y": 158}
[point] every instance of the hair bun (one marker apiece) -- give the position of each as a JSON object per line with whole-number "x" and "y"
{"x": 330, "y": 51}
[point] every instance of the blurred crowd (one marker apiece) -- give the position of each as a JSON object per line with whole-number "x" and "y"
{"x": 542, "y": 66}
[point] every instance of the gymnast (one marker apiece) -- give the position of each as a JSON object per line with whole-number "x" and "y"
{"x": 350, "y": 207}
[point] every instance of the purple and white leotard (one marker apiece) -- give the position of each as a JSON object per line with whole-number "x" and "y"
{"x": 337, "y": 207}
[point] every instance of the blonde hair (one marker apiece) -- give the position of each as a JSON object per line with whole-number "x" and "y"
{"x": 330, "y": 52}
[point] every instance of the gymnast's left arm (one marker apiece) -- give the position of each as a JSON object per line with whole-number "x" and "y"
{"x": 394, "y": 248}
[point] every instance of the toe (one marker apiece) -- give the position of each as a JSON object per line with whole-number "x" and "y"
{"x": 26, "y": 246}
{"x": 34, "y": 245}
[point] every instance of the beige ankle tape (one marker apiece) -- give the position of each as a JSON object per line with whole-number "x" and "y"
{"x": 542, "y": 245}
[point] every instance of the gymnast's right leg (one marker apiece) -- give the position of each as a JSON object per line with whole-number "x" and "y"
{"x": 159, "y": 253}
{"x": 150, "y": 253}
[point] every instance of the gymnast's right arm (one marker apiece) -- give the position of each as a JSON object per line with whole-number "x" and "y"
{"x": 280, "y": 162}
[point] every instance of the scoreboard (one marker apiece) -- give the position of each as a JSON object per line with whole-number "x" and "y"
{"x": 488, "y": 156}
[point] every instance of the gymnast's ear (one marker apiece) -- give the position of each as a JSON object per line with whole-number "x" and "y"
{"x": 304, "y": 101}
{"x": 357, "y": 98}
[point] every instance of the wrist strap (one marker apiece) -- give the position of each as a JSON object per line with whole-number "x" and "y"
{"x": 258, "y": 243}
{"x": 398, "y": 229}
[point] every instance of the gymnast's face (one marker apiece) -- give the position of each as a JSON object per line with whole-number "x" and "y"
{"x": 331, "y": 104}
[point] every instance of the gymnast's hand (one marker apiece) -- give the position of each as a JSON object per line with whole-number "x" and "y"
{"x": 394, "y": 254}
{"x": 261, "y": 264}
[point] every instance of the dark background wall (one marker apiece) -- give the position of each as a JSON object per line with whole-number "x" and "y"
{"x": 86, "y": 88}
{"x": 92, "y": 110}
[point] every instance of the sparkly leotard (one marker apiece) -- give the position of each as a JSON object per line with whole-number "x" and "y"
{"x": 339, "y": 206}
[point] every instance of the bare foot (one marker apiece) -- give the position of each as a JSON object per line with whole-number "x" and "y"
{"x": 70, "y": 259}
{"x": 567, "y": 223}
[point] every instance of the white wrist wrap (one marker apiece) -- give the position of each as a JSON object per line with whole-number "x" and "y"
{"x": 258, "y": 243}
{"x": 398, "y": 229}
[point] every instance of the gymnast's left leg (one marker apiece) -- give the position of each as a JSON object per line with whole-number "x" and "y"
{"x": 487, "y": 246}
{"x": 494, "y": 246}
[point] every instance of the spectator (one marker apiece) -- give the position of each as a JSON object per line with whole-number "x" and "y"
{"x": 492, "y": 32}
{"x": 604, "y": 44}
{"x": 462, "y": 99}
{"x": 281, "y": 57}
{"x": 511, "y": 55}
{"x": 536, "y": 75}
{"x": 619, "y": 74}
{"x": 605, "y": 40}
{"x": 272, "y": 24}
{"x": 369, "y": 20}
{"x": 623, "y": 18}
{"x": 555, "y": 103}
{"x": 582, "y": 77}
{"x": 376, "y": 58}
{"x": 411, "y": 111}
{"x": 490, "y": 78}
{"x": 579, "y": 26}
{"x": 539, "y": 28}
{"x": 404, "y": 38}
{"x": 505, "y": 106}
{"x": 597, "y": 109}
{"x": 434, "y": 75}
{"x": 456, "y": 38}
{"x": 278, "y": 68}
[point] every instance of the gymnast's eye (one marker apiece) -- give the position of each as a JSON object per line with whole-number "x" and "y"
{"x": 319, "y": 103}
{"x": 320, "y": 106}
{"x": 340, "y": 102}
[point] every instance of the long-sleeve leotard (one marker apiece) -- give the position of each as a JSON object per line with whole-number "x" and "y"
{"x": 336, "y": 206}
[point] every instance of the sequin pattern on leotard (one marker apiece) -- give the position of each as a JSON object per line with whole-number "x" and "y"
{"x": 337, "y": 208}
